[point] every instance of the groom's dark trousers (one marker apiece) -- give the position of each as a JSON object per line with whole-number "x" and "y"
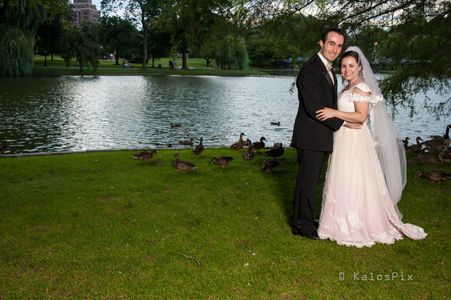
{"x": 310, "y": 164}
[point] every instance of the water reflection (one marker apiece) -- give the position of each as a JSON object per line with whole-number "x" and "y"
{"x": 114, "y": 112}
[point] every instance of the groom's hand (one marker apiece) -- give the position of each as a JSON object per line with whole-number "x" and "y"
{"x": 352, "y": 125}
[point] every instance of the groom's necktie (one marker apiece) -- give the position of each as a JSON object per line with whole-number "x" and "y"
{"x": 330, "y": 70}
{"x": 334, "y": 78}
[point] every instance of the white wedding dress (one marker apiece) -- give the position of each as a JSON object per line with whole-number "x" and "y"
{"x": 357, "y": 209}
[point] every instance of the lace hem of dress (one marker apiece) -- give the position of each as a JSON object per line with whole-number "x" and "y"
{"x": 352, "y": 223}
{"x": 361, "y": 244}
{"x": 411, "y": 231}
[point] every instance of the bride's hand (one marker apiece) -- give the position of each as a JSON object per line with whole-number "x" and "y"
{"x": 325, "y": 113}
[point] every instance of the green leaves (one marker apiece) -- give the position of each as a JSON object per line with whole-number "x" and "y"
{"x": 16, "y": 52}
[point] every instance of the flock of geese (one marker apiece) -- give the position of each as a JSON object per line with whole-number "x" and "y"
{"x": 250, "y": 150}
{"x": 435, "y": 151}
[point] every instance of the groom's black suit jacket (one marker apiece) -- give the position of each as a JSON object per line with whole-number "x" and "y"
{"x": 315, "y": 91}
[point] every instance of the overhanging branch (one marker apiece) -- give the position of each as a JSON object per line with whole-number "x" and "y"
{"x": 372, "y": 8}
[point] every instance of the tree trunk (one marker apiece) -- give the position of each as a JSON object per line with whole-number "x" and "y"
{"x": 116, "y": 57}
{"x": 144, "y": 65}
{"x": 3, "y": 9}
{"x": 80, "y": 62}
{"x": 144, "y": 25}
{"x": 184, "y": 64}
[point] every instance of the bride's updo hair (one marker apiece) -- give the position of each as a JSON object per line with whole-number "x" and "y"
{"x": 352, "y": 54}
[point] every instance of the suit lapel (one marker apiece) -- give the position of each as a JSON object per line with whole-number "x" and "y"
{"x": 333, "y": 85}
{"x": 326, "y": 74}
{"x": 335, "y": 77}
{"x": 324, "y": 71}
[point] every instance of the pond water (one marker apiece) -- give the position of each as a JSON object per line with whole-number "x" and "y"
{"x": 55, "y": 114}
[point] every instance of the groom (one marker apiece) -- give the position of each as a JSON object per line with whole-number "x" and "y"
{"x": 317, "y": 88}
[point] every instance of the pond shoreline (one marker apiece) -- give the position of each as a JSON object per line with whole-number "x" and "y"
{"x": 52, "y": 153}
{"x": 110, "y": 71}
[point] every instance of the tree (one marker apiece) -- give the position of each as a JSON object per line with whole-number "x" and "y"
{"x": 417, "y": 38}
{"x": 191, "y": 22}
{"x": 213, "y": 38}
{"x": 81, "y": 43}
{"x": 424, "y": 62}
{"x": 19, "y": 21}
{"x": 118, "y": 36}
{"x": 282, "y": 37}
{"x": 139, "y": 11}
{"x": 49, "y": 36}
{"x": 159, "y": 43}
{"x": 19, "y": 24}
{"x": 231, "y": 53}
{"x": 68, "y": 44}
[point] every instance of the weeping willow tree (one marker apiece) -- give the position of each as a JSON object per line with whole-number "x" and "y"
{"x": 19, "y": 21}
{"x": 231, "y": 53}
{"x": 81, "y": 43}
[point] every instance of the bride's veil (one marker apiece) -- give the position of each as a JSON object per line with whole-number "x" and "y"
{"x": 389, "y": 146}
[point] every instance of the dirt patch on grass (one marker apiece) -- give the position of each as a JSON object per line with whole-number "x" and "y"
{"x": 106, "y": 198}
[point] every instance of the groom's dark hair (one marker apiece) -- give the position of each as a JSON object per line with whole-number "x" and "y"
{"x": 337, "y": 30}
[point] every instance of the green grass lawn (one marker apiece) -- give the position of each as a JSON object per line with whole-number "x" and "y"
{"x": 58, "y": 61}
{"x": 101, "y": 225}
{"x": 197, "y": 66}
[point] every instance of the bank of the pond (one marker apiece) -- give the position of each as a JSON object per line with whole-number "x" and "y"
{"x": 103, "y": 71}
{"x": 196, "y": 66}
{"x": 102, "y": 225}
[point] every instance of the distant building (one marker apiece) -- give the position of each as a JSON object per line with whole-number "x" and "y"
{"x": 85, "y": 11}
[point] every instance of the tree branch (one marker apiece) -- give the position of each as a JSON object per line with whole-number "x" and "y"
{"x": 383, "y": 12}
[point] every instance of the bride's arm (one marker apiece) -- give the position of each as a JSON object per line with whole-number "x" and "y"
{"x": 359, "y": 116}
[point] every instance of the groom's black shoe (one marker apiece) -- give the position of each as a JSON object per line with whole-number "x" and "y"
{"x": 316, "y": 223}
{"x": 296, "y": 231}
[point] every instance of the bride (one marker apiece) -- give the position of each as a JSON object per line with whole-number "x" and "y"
{"x": 367, "y": 168}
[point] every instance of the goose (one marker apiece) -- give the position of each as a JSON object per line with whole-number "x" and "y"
{"x": 187, "y": 142}
{"x": 145, "y": 155}
{"x": 221, "y": 160}
{"x": 276, "y": 150}
{"x": 445, "y": 155}
{"x": 437, "y": 141}
{"x": 182, "y": 165}
{"x": 269, "y": 165}
{"x": 417, "y": 147}
{"x": 250, "y": 152}
{"x": 199, "y": 148}
{"x": 445, "y": 136}
{"x": 259, "y": 145}
{"x": 238, "y": 145}
{"x": 406, "y": 142}
{"x": 428, "y": 158}
{"x": 433, "y": 175}
{"x": 436, "y": 144}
